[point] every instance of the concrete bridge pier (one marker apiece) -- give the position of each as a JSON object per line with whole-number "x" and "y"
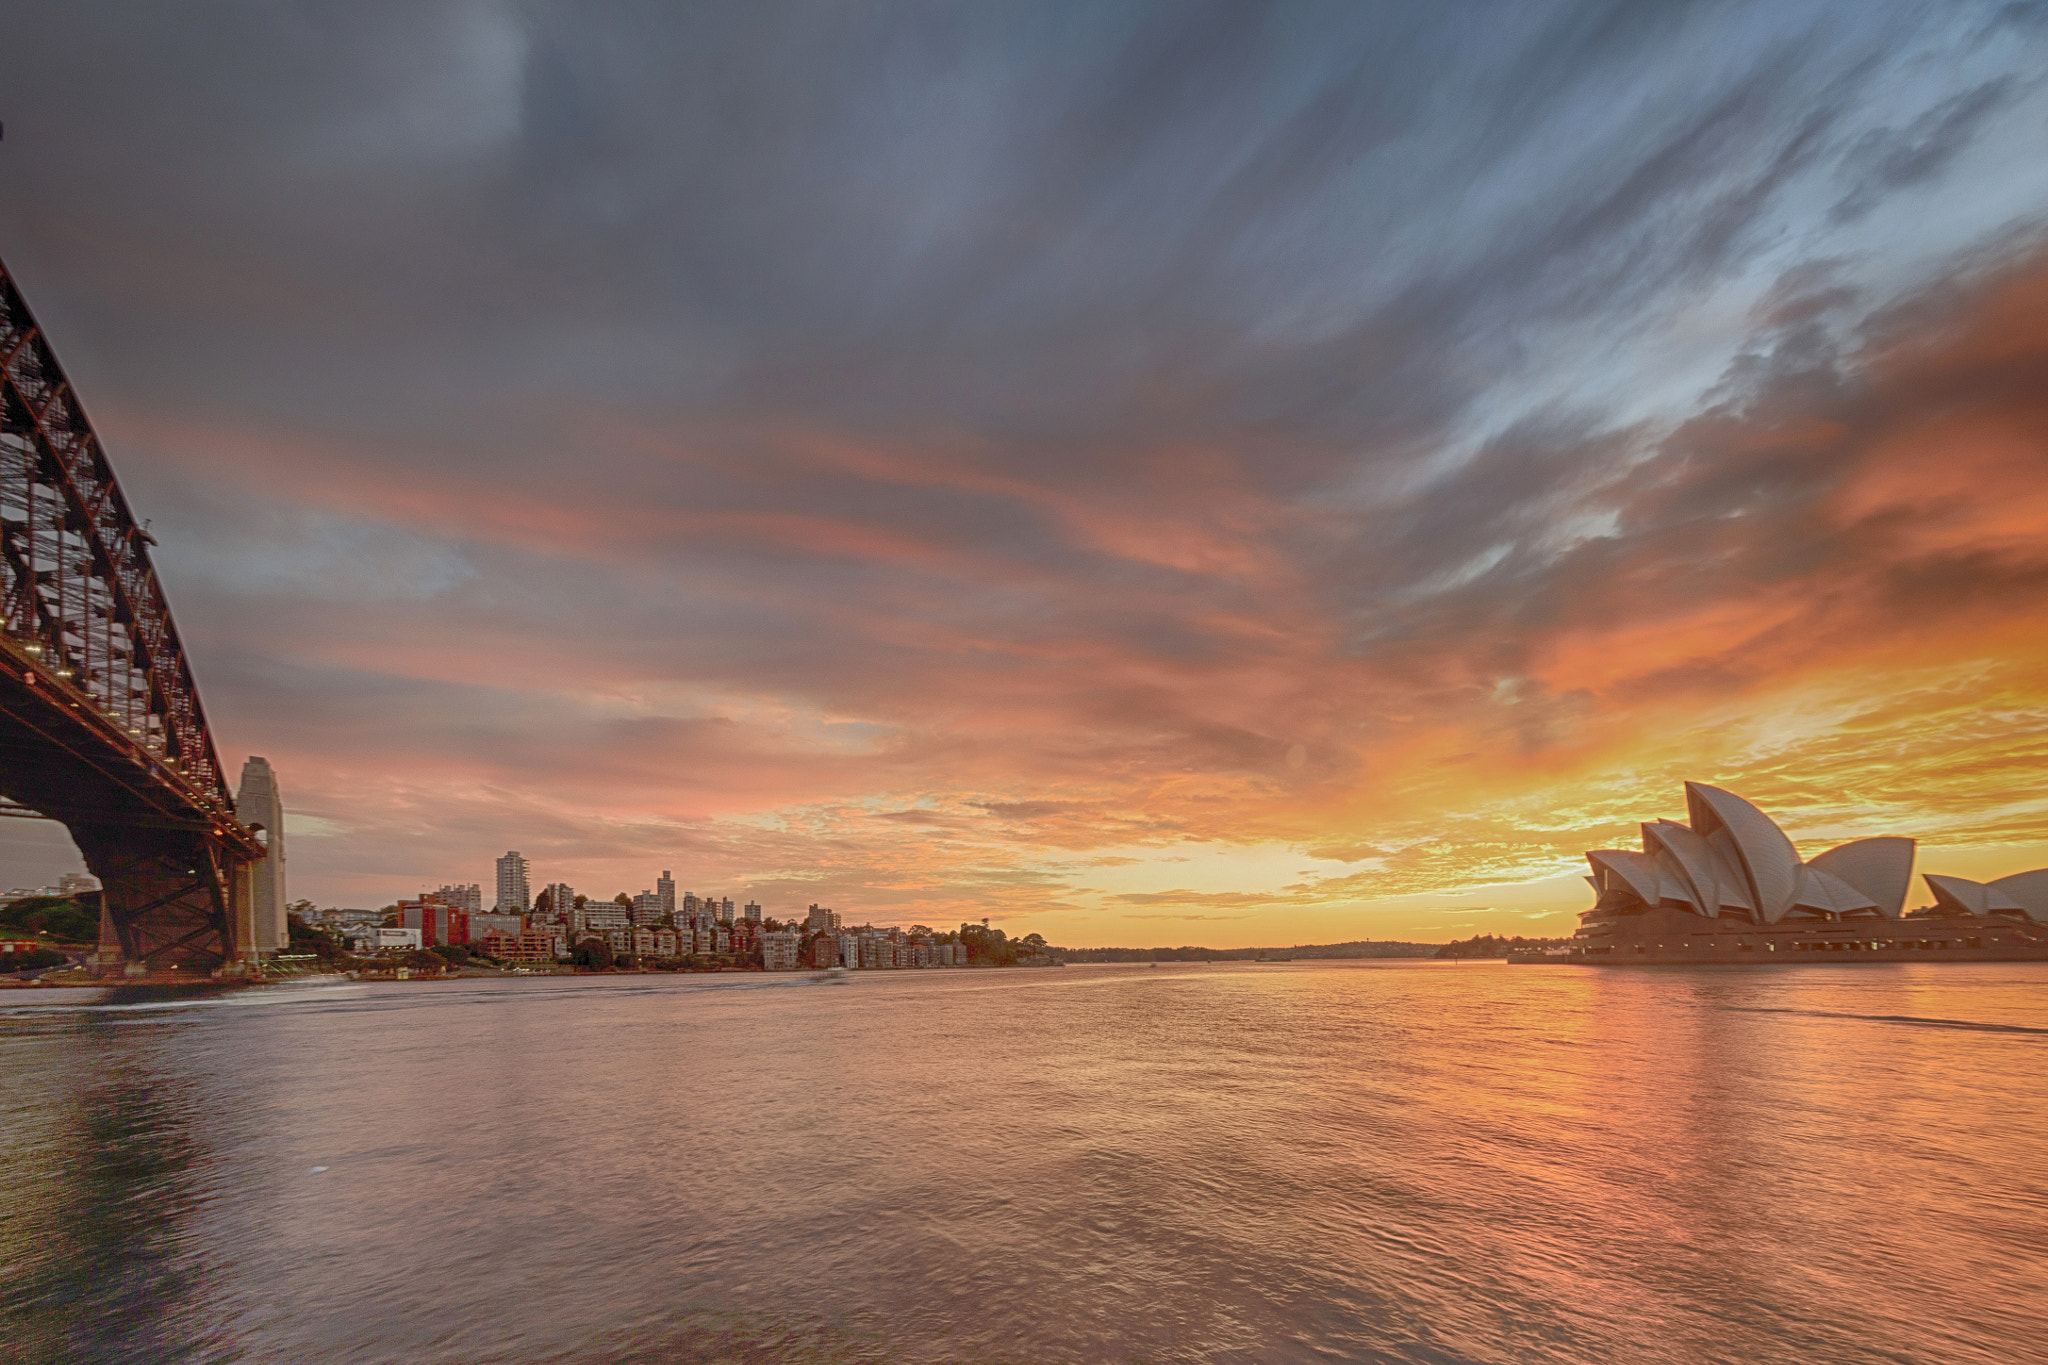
{"x": 260, "y": 894}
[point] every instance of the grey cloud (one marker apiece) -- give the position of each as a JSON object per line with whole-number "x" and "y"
{"x": 1283, "y": 276}
{"x": 1887, "y": 159}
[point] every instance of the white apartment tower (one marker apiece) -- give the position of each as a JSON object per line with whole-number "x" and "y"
{"x": 468, "y": 896}
{"x": 513, "y": 896}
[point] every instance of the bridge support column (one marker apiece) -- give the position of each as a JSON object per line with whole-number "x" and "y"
{"x": 166, "y": 896}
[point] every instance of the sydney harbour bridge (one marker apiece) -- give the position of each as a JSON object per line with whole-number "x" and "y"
{"x": 100, "y": 723}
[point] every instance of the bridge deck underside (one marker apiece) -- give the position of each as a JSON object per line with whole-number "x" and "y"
{"x": 166, "y": 876}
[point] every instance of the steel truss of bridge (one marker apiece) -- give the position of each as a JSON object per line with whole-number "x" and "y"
{"x": 100, "y": 723}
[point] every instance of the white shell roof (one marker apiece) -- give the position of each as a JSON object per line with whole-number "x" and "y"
{"x": 2028, "y": 890}
{"x": 1880, "y": 868}
{"x": 1822, "y": 890}
{"x": 1769, "y": 862}
{"x": 1960, "y": 893}
{"x": 1694, "y": 859}
{"x": 1637, "y": 870}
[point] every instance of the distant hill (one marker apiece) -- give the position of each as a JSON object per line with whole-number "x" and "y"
{"x": 1358, "y": 948}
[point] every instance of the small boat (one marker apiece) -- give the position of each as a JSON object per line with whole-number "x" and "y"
{"x": 833, "y": 976}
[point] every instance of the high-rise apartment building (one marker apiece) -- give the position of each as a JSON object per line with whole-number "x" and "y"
{"x": 821, "y": 920}
{"x": 513, "y": 895}
{"x": 753, "y": 912}
{"x": 647, "y": 910}
{"x": 561, "y": 899}
{"x": 725, "y": 909}
{"x": 469, "y": 897}
{"x": 665, "y": 887}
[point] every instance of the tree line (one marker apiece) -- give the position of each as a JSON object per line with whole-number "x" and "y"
{"x": 1489, "y": 945}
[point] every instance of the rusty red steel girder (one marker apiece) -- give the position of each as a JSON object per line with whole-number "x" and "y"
{"x": 100, "y": 721}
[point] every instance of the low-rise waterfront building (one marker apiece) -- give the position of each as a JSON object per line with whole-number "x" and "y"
{"x": 526, "y": 946}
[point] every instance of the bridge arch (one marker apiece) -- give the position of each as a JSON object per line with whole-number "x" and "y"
{"x": 100, "y": 722}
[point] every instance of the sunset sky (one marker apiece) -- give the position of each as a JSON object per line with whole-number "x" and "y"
{"x": 1229, "y": 474}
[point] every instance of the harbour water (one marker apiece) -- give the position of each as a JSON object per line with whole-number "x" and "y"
{"x": 1307, "y": 1161}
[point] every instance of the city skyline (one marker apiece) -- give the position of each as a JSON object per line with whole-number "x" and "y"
{"x": 1135, "y": 477}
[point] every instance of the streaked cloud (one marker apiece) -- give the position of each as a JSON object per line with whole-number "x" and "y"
{"x": 1064, "y": 463}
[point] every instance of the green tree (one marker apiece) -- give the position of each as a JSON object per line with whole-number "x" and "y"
{"x": 593, "y": 953}
{"x": 986, "y": 946}
{"x": 58, "y": 917}
{"x": 309, "y": 938}
{"x": 66, "y": 919}
{"x": 33, "y": 959}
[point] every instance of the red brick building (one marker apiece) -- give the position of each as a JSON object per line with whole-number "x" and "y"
{"x": 439, "y": 925}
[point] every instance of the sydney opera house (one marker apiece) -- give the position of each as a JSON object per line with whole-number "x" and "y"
{"x": 1728, "y": 886}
